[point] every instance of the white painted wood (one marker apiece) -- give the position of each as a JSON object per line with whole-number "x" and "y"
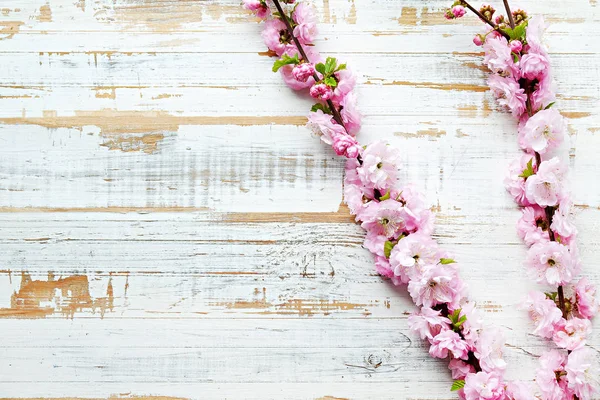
{"x": 168, "y": 227}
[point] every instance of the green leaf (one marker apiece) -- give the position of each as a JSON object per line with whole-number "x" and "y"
{"x": 322, "y": 107}
{"x": 387, "y": 248}
{"x": 340, "y": 67}
{"x": 385, "y": 196}
{"x": 285, "y": 60}
{"x": 330, "y": 81}
{"x": 519, "y": 32}
{"x": 459, "y": 323}
{"x": 549, "y": 105}
{"x": 446, "y": 261}
{"x": 551, "y": 295}
{"x": 320, "y": 67}
{"x": 457, "y": 385}
{"x": 330, "y": 65}
{"x": 527, "y": 172}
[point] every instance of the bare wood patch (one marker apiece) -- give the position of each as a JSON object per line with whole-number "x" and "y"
{"x": 66, "y": 296}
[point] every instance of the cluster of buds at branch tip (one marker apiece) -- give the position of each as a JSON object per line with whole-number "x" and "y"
{"x": 519, "y": 16}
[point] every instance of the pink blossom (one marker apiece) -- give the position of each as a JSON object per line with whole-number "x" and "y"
{"x": 551, "y": 263}
{"x": 345, "y": 84}
{"x": 488, "y": 350}
{"x": 543, "y": 312}
{"x": 516, "y": 46}
{"x": 428, "y": 323}
{"x": 303, "y": 71}
{"x": 483, "y": 386}
{"x": 544, "y": 92}
{"x": 535, "y": 29}
{"x": 323, "y": 125}
{"x": 582, "y": 373}
{"x": 437, "y": 284}
{"x": 562, "y": 223}
{"x": 350, "y": 114}
{"x": 355, "y": 193}
{"x": 509, "y": 94}
{"x": 353, "y": 197}
{"x": 258, "y": 7}
{"x": 411, "y": 251}
{"x": 532, "y": 227}
{"x": 572, "y": 334}
{"x": 544, "y": 131}
{"x": 345, "y": 145}
{"x": 321, "y": 91}
{"x": 514, "y": 183}
{"x": 517, "y": 390}
{"x": 276, "y": 37}
{"x": 549, "y": 377}
{"x": 472, "y": 327}
{"x": 534, "y": 65}
{"x": 306, "y": 20}
{"x": 460, "y": 369}
{"x": 382, "y": 266}
{"x": 382, "y": 221}
{"x": 419, "y": 217}
{"x": 380, "y": 166}
{"x": 375, "y": 243}
{"x": 498, "y": 56}
{"x": 585, "y": 294}
{"x": 546, "y": 187}
{"x": 446, "y": 342}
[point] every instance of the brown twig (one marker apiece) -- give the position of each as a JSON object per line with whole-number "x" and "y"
{"x": 286, "y": 21}
{"x": 511, "y": 20}
{"x": 484, "y": 19}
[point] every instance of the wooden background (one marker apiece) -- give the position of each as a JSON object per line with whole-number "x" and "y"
{"x": 168, "y": 227}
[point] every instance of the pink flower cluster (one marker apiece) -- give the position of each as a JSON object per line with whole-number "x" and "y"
{"x": 522, "y": 84}
{"x": 330, "y": 83}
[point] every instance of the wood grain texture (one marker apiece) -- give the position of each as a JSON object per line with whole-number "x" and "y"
{"x": 170, "y": 230}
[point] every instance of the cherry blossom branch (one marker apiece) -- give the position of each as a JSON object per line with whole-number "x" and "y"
{"x": 521, "y": 81}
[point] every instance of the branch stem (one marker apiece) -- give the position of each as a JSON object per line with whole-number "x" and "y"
{"x": 511, "y": 19}
{"x": 286, "y": 21}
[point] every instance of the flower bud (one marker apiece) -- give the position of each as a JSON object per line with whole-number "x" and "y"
{"x": 487, "y": 11}
{"x": 321, "y": 91}
{"x": 516, "y": 46}
{"x": 302, "y": 72}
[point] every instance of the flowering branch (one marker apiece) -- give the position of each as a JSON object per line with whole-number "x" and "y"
{"x": 522, "y": 83}
{"x": 398, "y": 224}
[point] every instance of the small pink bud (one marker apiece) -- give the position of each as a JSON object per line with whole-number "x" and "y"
{"x": 302, "y": 72}
{"x": 478, "y": 40}
{"x": 499, "y": 19}
{"x": 516, "y": 46}
{"x": 458, "y": 11}
{"x": 321, "y": 91}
